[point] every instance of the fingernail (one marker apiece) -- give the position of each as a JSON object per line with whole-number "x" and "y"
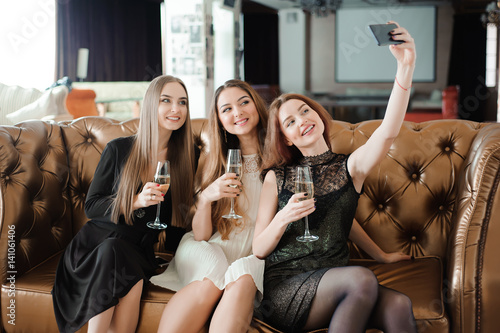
{"x": 315, "y": 200}
{"x": 157, "y": 185}
{"x": 305, "y": 194}
{"x": 237, "y": 175}
{"x": 241, "y": 190}
{"x": 237, "y": 194}
{"x": 162, "y": 195}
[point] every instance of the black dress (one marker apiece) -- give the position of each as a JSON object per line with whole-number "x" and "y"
{"x": 294, "y": 269}
{"x": 105, "y": 260}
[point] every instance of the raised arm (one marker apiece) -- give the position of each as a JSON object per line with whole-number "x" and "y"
{"x": 373, "y": 151}
{"x": 271, "y": 224}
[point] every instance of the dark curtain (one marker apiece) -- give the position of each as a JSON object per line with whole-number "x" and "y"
{"x": 468, "y": 66}
{"x": 123, "y": 38}
{"x": 261, "y": 52}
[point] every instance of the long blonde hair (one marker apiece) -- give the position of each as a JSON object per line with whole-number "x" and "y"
{"x": 220, "y": 142}
{"x": 137, "y": 169}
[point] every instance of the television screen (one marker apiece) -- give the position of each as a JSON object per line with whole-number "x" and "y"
{"x": 358, "y": 58}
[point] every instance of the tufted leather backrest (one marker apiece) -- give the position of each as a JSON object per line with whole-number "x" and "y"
{"x": 408, "y": 204}
{"x": 35, "y": 210}
{"x": 409, "y": 198}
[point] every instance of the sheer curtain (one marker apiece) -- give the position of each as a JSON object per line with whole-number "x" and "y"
{"x": 123, "y": 38}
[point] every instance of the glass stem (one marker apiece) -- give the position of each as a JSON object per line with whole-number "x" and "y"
{"x": 232, "y": 205}
{"x": 306, "y": 233}
{"x": 157, "y": 219}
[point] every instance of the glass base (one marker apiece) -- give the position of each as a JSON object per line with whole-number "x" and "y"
{"x": 154, "y": 225}
{"x": 232, "y": 216}
{"x": 306, "y": 239}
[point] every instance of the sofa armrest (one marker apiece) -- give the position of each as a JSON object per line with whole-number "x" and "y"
{"x": 473, "y": 271}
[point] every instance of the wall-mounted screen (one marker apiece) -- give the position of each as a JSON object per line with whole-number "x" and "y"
{"x": 358, "y": 58}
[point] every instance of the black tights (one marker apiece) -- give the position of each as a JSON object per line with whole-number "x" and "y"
{"x": 349, "y": 299}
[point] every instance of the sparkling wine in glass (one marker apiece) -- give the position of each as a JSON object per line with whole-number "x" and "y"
{"x": 162, "y": 177}
{"x": 305, "y": 184}
{"x": 234, "y": 165}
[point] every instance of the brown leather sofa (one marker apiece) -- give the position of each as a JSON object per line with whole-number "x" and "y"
{"x": 435, "y": 197}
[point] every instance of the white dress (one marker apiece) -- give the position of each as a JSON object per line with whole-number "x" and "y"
{"x": 221, "y": 261}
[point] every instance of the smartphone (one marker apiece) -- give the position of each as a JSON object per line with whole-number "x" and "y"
{"x": 381, "y": 33}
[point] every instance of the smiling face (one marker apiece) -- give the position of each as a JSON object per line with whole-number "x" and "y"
{"x": 237, "y": 112}
{"x": 172, "y": 108}
{"x": 301, "y": 125}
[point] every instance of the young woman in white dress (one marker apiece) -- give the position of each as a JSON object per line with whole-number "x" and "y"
{"x": 214, "y": 270}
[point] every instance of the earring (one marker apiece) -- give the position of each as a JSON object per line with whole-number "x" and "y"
{"x": 225, "y": 135}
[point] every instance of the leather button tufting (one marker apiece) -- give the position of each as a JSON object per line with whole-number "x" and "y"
{"x": 441, "y": 207}
{"x": 380, "y": 206}
{"x": 447, "y": 149}
{"x": 7, "y": 177}
{"x": 414, "y": 176}
{"x": 413, "y": 238}
{"x": 89, "y": 140}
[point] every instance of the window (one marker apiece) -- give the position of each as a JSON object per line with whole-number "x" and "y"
{"x": 28, "y": 43}
{"x": 491, "y": 55}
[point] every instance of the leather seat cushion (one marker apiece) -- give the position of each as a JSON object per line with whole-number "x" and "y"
{"x": 421, "y": 280}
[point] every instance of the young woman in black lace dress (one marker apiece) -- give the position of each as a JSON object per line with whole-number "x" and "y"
{"x": 309, "y": 285}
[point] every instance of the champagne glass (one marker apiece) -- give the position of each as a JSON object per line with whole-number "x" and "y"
{"x": 303, "y": 184}
{"x": 233, "y": 165}
{"x": 162, "y": 177}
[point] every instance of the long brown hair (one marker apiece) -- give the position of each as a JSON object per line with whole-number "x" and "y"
{"x": 137, "y": 169}
{"x": 220, "y": 142}
{"x": 276, "y": 151}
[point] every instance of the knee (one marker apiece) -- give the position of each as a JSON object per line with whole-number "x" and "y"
{"x": 365, "y": 283}
{"x": 401, "y": 304}
{"x": 366, "y": 280}
{"x": 244, "y": 283}
{"x": 208, "y": 291}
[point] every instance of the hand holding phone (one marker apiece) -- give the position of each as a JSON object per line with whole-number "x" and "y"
{"x": 381, "y": 33}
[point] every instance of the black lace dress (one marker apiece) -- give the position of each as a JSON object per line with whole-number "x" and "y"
{"x": 294, "y": 269}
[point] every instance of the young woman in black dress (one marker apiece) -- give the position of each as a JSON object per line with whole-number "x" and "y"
{"x": 101, "y": 274}
{"x": 309, "y": 285}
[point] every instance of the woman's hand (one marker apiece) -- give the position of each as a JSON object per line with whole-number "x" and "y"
{"x": 296, "y": 209}
{"x": 221, "y": 188}
{"x": 404, "y": 53}
{"x": 388, "y": 258}
{"x": 150, "y": 195}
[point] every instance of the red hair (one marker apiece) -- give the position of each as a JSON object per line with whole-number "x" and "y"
{"x": 276, "y": 151}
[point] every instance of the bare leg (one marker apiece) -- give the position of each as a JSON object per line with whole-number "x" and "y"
{"x": 100, "y": 323}
{"x": 126, "y": 313}
{"x": 235, "y": 309}
{"x": 344, "y": 300}
{"x": 393, "y": 312}
{"x": 189, "y": 309}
